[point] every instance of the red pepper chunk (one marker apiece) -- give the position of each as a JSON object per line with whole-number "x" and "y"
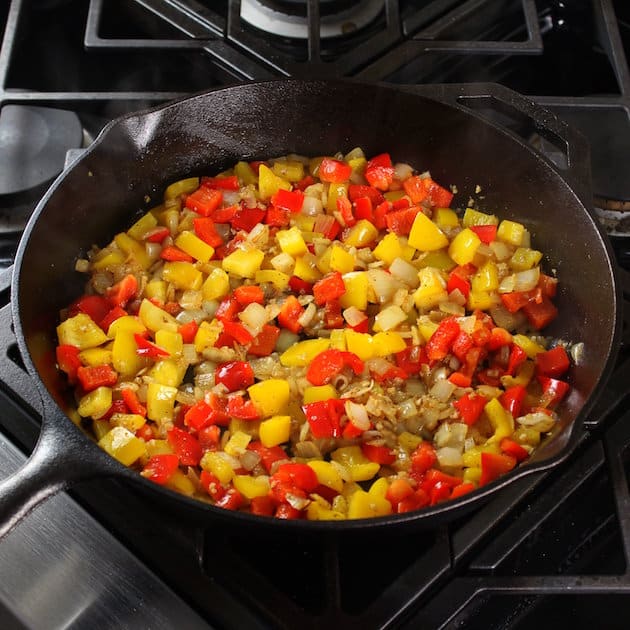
{"x": 470, "y": 406}
{"x": 147, "y": 348}
{"x": 552, "y": 363}
{"x": 289, "y": 314}
{"x": 68, "y": 361}
{"x": 344, "y": 207}
{"x": 204, "y": 200}
{"x": 540, "y": 314}
{"x": 363, "y": 209}
{"x": 186, "y": 447}
{"x": 96, "y": 306}
{"x": 423, "y": 458}
{"x": 324, "y": 417}
{"x": 211, "y": 485}
{"x": 290, "y": 200}
{"x": 229, "y": 182}
{"x": 188, "y": 331}
{"x": 327, "y": 364}
{"x": 439, "y": 196}
{"x": 356, "y": 191}
{"x": 123, "y": 291}
{"x": 247, "y": 218}
{"x": 334, "y": 171}
{"x": 231, "y": 500}
{"x": 156, "y": 235}
{"x": 414, "y": 187}
{"x": 400, "y": 221}
{"x": 160, "y": 468}
{"x": 411, "y": 359}
{"x": 494, "y": 465}
{"x": 265, "y": 342}
{"x": 111, "y": 317}
{"x": 249, "y": 294}
{"x": 174, "y": 254}
{"x": 300, "y": 476}
{"x": 486, "y": 233}
{"x": 234, "y": 375}
{"x": 457, "y": 281}
{"x": 268, "y": 455}
{"x": 97, "y": 376}
{"x": 379, "y": 171}
{"x": 238, "y": 407}
{"x": 514, "y": 449}
{"x": 205, "y": 229}
{"x": 380, "y": 454}
{"x": 441, "y": 341}
{"x": 261, "y": 506}
{"x": 512, "y": 399}
{"x": 297, "y": 285}
{"x": 330, "y": 287}
{"x": 462, "y": 489}
{"x": 553, "y": 392}
{"x": 131, "y": 400}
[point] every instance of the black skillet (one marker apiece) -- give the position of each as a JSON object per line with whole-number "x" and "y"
{"x": 442, "y": 128}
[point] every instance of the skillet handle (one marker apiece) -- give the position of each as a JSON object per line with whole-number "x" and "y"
{"x": 566, "y": 148}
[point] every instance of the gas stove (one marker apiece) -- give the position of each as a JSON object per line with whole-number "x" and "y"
{"x": 550, "y": 548}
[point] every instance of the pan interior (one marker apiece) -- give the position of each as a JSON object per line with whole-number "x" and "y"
{"x": 126, "y": 171}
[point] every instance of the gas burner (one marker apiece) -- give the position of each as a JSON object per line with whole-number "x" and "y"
{"x": 289, "y": 18}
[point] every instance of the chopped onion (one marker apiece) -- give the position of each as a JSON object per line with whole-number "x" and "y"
{"x": 358, "y": 415}
{"x": 402, "y": 171}
{"x": 286, "y": 339}
{"x": 191, "y": 300}
{"x": 353, "y": 316}
{"x": 231, "y": 197}
{"x": 307, "y": 316}
{"x": 210, "y": 307}
{"x": 283, "y": 262}
{"x": 383, "y": 284}
{"x": 312, "y": 206}
{"x": 254, "y": 316}
{"x": 408, "y": 408}
{"x": 442, "y": 390}
{"x": 153, "y": 250}
{"x": 449, "y": 456}
{"x": 189, "y": 353}
{"x": 185, "y": 317}
{"x": 249, "y": 459}
{"x": 537, "y": 420}
{"x": 501, "y": 250}
{"x": 451, "y": 434}
{"x": 82, "y": 265}
{"x": 389, "y": 318}
{"x": 526, "y": 280}
{"x": 405, "y": 271}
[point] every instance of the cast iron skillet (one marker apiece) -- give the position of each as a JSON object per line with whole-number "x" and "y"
{"x": 432, "y": 127}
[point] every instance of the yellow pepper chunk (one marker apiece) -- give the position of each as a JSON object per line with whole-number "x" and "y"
{"x": 158, "y": 447}
{"x": 270, "y": 397}
{"x": 245, "y": 173}
{"x": 500, "y": 419}
{"x": 341, "y": 260}
{"x": 338, "y": 339}
{"x": 160, "y": 402}
{"x": 108, "y": 258}
{"x": 302, "y": 353}
{"x": 95, "y": 356}
{"x": 409, "y": 441}
{"x": 126, "y": 323}
{"x": 179, "y": 482}
{"x": 170, "y": 341}
{"x": 356, "y": 283}
{"x": 363, "y": 505}
{"x": 289, "y": 169}
{"x": 486, "y": 278}
{"x": 335, "y": 191}
{"x": 327, "y": 474}
{"x": 251, "y": 487}
{"x": 529, "y": 346}
{"x": 432, "y": 289}
{"x": 142, "y": 226}
{"x": 123, "y": 445}
{"x": 360, "y": 344}
{"x": 425, "y": 235}
{"x": 100, "y": 428}
{"x": 216, "y": 285}
{"x": 320, "y": 510}
{"x": 315, "y": 393}
{"x": 156, "y": 289}
{"x": 269, "y": 183}
{"x": 275, "y": 431}
{"x": 243, "y": 263}
{"x": 217, "y": 464}
{"x": 359, "y": 466}
{"x": 188, "y": 185}
{"x": 279, "y": 280}
{"x": 169, "y": 372}
{"x": 183, "y": 275}
{"x": 80, "y": 331}
{"x": 445, "y": 217}
{"x": 194, "y": 246}
{"x": 130, "y": 421}
{"x": 237, "y": 444}
{"x": 474, "y": 217}
{"x": 291, "y": 242}
{"x": 389, "y": 248}
{"x": 96, "y": 403}
{"x": 207, "y": 335}
{"x": 386, "y": 343}
{"x": 125, "y": 358}
{"x": 133, "y": 249}
{"x": 511, "y": 232}
{"x": 155, "y": 318}
{"x": 464, "y": 247}
{"x": 525, "y": 258}
{"x": 362, "y": 233}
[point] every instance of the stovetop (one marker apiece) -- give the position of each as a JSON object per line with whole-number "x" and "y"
{"x": 550, "y": 548}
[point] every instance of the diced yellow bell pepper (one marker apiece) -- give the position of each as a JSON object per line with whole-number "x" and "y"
{"x": 530, "y": 347}
{"x": 80, "y": 331}
{"x": 357, "y": 164}
{"x": 474, "y": 217}
{"x": 323, "y": 261}
{"x": 359, "y": 466}
{"x": 307, "y": 268}
{"x": 207, "y": 335}
{"x": 269, "y": 183}
{"x": 251, "y": 427}
{"x": 445, "y": 218}
{"x": 321, "y": 511}
{"x": 160, "y": 402}
{"x": 169, "y": 372}
{"x": 237, "y": 444}
{"x": 426, "y": 327}
{"x": 133, "y": 249}
{"x": 158, "y": 447}
{"x": 108, "y": 258}
{"x": 275, "y": 431}
{"x": 341, "y": 260}
{"x": 527, "y": 435}
{"x": 338, "y": 339}
{"x": 327, "y": 474}
{"x": 216, "y": 463}
{"x": 500, "y": 419}
{"x": 363, "y": 505}
{"x": 389, "y": 248}
{"x": 180, "y": 483}
{"x": 216, "y": 285}
{"x": 511, "y": 232}
{"x": 243, "y": 263}
{"x": 156, "y": 289}
{"x": 464, "y": 247}
{"x": 270, "y": 397}
{"x": 438, "y": 260}
{"x": 360, "y": 344}
{"x": 125, "y": 358}
{"x": 315, "y": 393}
{"x": 251, "y": 487}
{"x": 130, "y": 421}
{"x": 245, "y": 173}
{"x": 123, "y": 445}
{"x": 96, "y": 356}
{"x": 291, "y": 241}
{"x": 170, "y": 218}
{"x": 386, "y": 343}
{"x": 183, "y": 275}
{"x": 142, "y": 226}
{"x": 379, "y": 488}
{"x": 389, "y": 318}
{"x": 170, "y": 341}
{"x": 432, "y": 289}
{"x": 362, "y": 233}
{"x": 335, "y": 191}
{"x": 524, "y": 375}
{"x": 188, "y": 185}
{"x": 194, "y": 246}
{"x": 279, "y": 280}
{"x": 304, "y": 222}
{"x": 100, "y": 428}
{"x": 525, "y": 258}
{"x": 289, "y": 169}
{"x": 482, "y": 300}
{"x": 127, "y": 324}
{"x": 96, "y": 403}
{"x": 425, "y": 235}
{"x": 472, "y": 475}
{"x": 409, "y": 441}
{"x": 486, "y": 278}
{"x": 302, "y": 353}
{"x": 156, "y": 318}
{"x": 356, "y": 283}
{"x": 472, "y": 457}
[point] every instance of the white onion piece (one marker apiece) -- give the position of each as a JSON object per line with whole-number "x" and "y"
{"x": 408, "y": 408}
{"x": 383, "y": 284}
{"x": 449, "y": 456}
{"x": 283, "y": 262}
{"x": 451, "y": 434}
{"x": 185, "y": 317}
{"x": 312, "y": 206}
{"x": 442, "y": 390}
{"x": 254, "y": 316}
{"x": 231, "y": 197}
{"x": 353, "y": 316}
{"x": 389, "y": 318}
{"x": 402, "y": 171}
{"x": 191, "y": 300}
{"x": 500, "y": 250}
{"x": 537, "y": 420}
{"x": 189, "y": 353}
{"x": 307, "y": 316}
{"x": 358, "y": 415}
{"x": 249, "y": 459}
{"x": 405, "y": 271}
{"x": 153, "y": 250}
{"x": 467, "y": 324}
{"x": 526, "y": 280}
{"x": 210, "y": 307}
{"x": 286, "y": 339}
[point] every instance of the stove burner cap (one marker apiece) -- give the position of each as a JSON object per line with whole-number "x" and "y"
{"x": 288, "y": 18}
{"x": 34, "y": 142}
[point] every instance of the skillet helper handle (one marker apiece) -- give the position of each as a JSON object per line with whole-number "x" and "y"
{"x": 532, "y": 122}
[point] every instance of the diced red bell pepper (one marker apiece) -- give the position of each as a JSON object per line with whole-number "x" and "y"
{"x": 499, "y": 337}
{"x": 411, "y": 359}
{"x": 363, "y": 209}
{"x": 227, "y": 309}
{"x": 398, "y": 490}
{"x": 356, "y": 191}
{"x": 518, "y": 356}
{"x": 209, "y": 437}
{"x": 401, "y": 204}
{"x": 188, "y": 331}
{"x": 95, "y": 376}
{"x": 111, "y": 317}
{"x": 332, "y": 315}
{"x": 265, "y": 342}
{"x": 133, "y": 403}
{"x": 553, "y": 363}
{"x": 238, "y": 407}
{"x": 415, "y": 188}
{"x": 433, "y": 476}
{"x": 514, "y": 449}
{"x": 512, "y": 399}
{"x": 324, "y": 417}
{"x": 516, "y": 300}
{"x": 540, "y": 314}
{"x": 185, "y": 446}
{"x": 462, "y": 344}
{"x": 416, "y": 501}
{"x": 298, "y": 475}
{"x": 269, "y": 455}
{"x": 248, "y": 294}
{"x": 160, "y": 468}
{"x": 486, "y": 233}
{"x": 68, "y": 361}
{"x": 261, "y": 506}
{"x": 145, "y": 432}
{"x": 211, "y": 484}
{"x": 495, "y": 465}
{"x": 327, "y": 364}
{"x": 380, "y": 454}
{"x": 400, "y": 221}
{"x": 350, "y": 431}
{"x": 297, "y": 285}
{"x": 228, "y": 182}
{"x": 379, "y": 171}
{"x": 174, "y": 254}
{"x": 440, "y": 492}
{"x": 290, "y": 200}
{"x": 423, "y": 458}
{"x": 287, "y": 512}
{"x": 96, "y": 306}
{"x": 344, "y": 207}
{"x": 277, "y": 217}
{"x": 246, "y": 218}
{"x": 439, "y": 196}
{"x": 470, "y": 406}
{"x": 457, "y": 281}
{"x": 289, "y": 314}
{"x": 334, "y": 171}
{"x": 118, "y": 406}
{"x": 205, "y": 229}
{"x": 330, "y": 287}
{"x": 123, "y": 291}
{"x": 204, "y": 200}
{"x": 548, "y": 285}
{"x": 553, "y": 392}
{"x": 439, "y": 345}
{"x": 305, "y": 182}
{"x": 156, "y": 234}
{"x": 149, "y": 349}
{"x": 327, "y": 225}
{"x": 380, "y": 214}
{"x": 234, "y": 375}
{"x": 224, "y": 215}
{"x": 462, "y": 489}
{"x": 231, "y": 500}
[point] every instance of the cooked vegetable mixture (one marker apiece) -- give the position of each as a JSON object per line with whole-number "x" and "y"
{"x": 315, "y": 338}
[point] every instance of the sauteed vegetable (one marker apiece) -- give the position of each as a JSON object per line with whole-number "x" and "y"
{"x": 316, "y": 338}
